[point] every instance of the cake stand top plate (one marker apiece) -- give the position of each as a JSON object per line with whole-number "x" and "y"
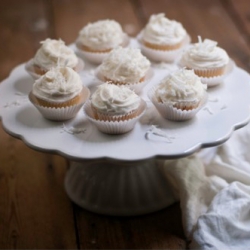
{"x": 227, "y": 109}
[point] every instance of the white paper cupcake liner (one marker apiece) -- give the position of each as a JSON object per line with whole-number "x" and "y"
{"x": 97, "y": 57}
{"x": 29, "y": 67}
{"x": 114, "y": 127}
{"x": 61, "y": 114}
{"x": 136, "y": 87}
{"x": 163, "y": 55}
{"x": 172, "y": 113}
{"x": 215, "y": 80}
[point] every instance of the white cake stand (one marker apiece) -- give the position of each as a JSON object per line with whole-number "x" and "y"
{"x": 122, "y": 174}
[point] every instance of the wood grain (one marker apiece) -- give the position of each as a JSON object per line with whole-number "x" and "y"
{"x": 71, "y": 16}
{"x": 161, "y": 230}
{"x": 23, "y": 25}
{"x": 34, "y": 209}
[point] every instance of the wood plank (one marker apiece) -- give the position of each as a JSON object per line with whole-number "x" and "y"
{"x": 161, "y": 230}
{"x": 207, "y": 18}
{"x": 240, "y": 12}
{"x": 34, "y": 209}
{"x": 71, "y": 16}
{"x": 23, "y": 25}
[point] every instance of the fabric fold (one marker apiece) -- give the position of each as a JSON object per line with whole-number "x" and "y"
{"x": 213, "y": 187}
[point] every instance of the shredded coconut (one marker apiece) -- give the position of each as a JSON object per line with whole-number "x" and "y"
{"x": 153, "y": 130}
{"x": 16, "y": 103}
{"x": 72, "y": 130}
{"x": 208, "y": 110}
{"x": 224, "y": 106}
{"x": 163, "y": 65}
{"x": 214, "y": 99}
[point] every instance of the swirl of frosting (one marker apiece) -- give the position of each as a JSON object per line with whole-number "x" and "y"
{"x": 101, "y": 35}
{"x": 180, "y": 86}
{"x": 204, "y": 55}
{"x": 126, "y": 65}
{"x": 54, "y": 53}
{"x": 58, "y": 85}
{"x": 115, "y": 100}
{"x": 162, "y": 31}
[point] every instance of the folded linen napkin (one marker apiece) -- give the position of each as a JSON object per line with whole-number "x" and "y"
{"x": 213, "y": 187}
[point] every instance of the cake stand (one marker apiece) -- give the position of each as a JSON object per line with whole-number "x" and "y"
{"x": 122, "y": 174}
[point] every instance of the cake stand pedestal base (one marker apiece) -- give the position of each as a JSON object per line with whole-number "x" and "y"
{"x": 119, "y": 188}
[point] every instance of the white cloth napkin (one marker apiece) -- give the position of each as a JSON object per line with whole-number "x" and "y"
{"x": 213, "y": 187}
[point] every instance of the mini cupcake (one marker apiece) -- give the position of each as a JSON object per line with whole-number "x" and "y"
{"x": 125, "y": 66}
{"x": 206, "y": 59}
{"x": 59, "y": 93}
{"x": 97, "y": 39}
{"x": 179, "y": 96}
{"x": 114, "y": 109}
{"x": 53, "y": 53}
{"x": 162, "y": 39}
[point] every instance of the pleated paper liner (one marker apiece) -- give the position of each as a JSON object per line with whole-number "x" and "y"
{"x": 61, "y": 113}
{"x": 211, "y": 80}
{"x": 30, "y": 68}
{"x": 114, "y": 127}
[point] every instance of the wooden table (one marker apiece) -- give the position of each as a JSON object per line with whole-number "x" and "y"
{"x": 35, "y": 211}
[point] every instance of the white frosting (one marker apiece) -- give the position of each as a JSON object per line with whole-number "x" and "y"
{"x": 58, "y": 85}
{"x": 205, "y": 55}
{"x": 180, "y": 86}
{"x": 101, "y": 35}
{"x": 54, "y": 53}
{"x": 162, "y": 31}
{"x": 115, "y": 100}
{"x": 125, "y": 65}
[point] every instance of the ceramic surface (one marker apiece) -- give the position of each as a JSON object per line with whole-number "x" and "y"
{"x": 227, "y": 109}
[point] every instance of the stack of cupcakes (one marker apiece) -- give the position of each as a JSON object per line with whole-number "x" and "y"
{"x": 115, "y": 106}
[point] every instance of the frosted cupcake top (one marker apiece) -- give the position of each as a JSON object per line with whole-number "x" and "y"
{"x": 58, "y": 85}
{"x": 126, "y": 65}
{"x": 205, "y": 54}
{"x": 180, "y": 86}
{"x": 101, "y": 35}
{"x": 115, "y": 100}
{"x": 160, "y": 30}
{"x": 54, "y": 53}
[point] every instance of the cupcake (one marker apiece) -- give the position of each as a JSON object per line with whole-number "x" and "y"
{"x": 114, "y": 109}
{"x": 59, "y": 93}
{"x": 53, "y": 53}
{"x": 97, "y": 39}
{"x": 162, "y": 39}
{"x": 179, "y": 96}
{"x": 206, "y": 59}
{"x": 125, "y": 66}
